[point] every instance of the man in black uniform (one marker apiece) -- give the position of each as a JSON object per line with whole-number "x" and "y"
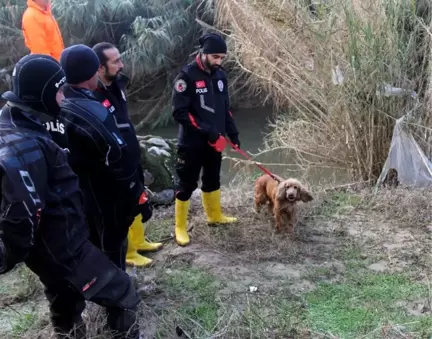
{"x": 111, "y": 93}
{"x": 42, "y": 221}
{"x": 99, "y": 154}
{"x": 202, "y": 108}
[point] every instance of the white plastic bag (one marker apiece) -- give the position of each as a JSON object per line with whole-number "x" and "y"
{"x": 408, "y": 159}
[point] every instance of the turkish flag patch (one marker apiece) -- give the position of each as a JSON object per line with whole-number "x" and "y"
{"x": 106, "y": 103}
{"x": 200, "y": 84}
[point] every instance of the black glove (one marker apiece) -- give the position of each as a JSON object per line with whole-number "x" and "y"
{"x": 144, "y": 207}
{"x": 234, "y": 139}
{"x": 146, "y": 211}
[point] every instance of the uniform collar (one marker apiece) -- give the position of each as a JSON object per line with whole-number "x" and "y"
{"x": 120, "y": 81}
{"x": 77, "y": 92}
{"x": 17, "y": 117}
{"x": 199, "y": 63}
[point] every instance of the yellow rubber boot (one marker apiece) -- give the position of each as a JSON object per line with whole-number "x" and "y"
{"x": 181, "y": 216}
{"x": 133, "y": 258}
{"x": 212, "y": 207}
{"x": 141, "y": 244}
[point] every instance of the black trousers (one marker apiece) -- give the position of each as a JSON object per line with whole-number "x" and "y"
{"x": 109, "y": 233}
{"x": 188, "y": 166}
{"x": 111, "y": 236}
{"x": 109, "y": 217}
{"x": 91, "y": 277}
{"x": 118, "y": 297}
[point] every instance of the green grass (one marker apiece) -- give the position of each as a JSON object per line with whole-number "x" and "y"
{"x": 160, "y": 228}
{"x": 364, "y": 303}
{"x": 279, "y": 315}
{"x": 361, "y": 301}
{"x": 358, "y": 305}
{"x": 24, "y": 323}
{"x": 194, "y": 292}
{"x": 18, "y": 285}
{"x": 338, "y": 203}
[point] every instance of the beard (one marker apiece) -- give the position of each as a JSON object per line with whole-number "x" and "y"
{"x": 110, "y": 76}
{"x": 212, "y": 68}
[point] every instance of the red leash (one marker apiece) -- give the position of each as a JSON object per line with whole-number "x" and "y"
{"x": 262, "y": 168}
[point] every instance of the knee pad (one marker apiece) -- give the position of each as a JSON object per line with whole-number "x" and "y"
{"x": 210, "y": 187}
{"x": 184, "y": 195}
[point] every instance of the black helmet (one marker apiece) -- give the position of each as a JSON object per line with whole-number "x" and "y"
{"x": 36, "y": 80}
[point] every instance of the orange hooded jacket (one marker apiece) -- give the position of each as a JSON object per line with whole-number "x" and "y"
{"x": 41, "y": 31}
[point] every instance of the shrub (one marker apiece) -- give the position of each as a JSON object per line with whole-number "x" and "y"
{"x": 155, "y": 37}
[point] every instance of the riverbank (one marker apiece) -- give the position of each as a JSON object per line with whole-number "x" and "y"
{"x": 359, "y": 267}
{"x": 254, "y": 125}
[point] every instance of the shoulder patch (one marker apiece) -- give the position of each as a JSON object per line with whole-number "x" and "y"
{"x": 220, "y": 85}
{"x": 180, "y": 85}
{"x": 106, "y": 103}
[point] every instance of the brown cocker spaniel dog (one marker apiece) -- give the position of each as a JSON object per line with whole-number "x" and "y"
{"x": 282, "y": 198}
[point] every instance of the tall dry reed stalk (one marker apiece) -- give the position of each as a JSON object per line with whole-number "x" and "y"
{"x": 327, "y": 68}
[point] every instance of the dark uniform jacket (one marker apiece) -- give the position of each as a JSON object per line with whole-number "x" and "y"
{"x": 99, "y": 154}
{"x": 201, "y": 106}
{"x": 42, "y": 220}
{"x": 113, "y": 98}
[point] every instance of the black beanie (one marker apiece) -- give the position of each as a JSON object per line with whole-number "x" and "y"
{"x": 212, "y": 43}
{"x": 80, "y": 63}
{"x": 36, "y": 80}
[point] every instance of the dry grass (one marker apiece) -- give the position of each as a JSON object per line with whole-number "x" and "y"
{"x": 255, "y": 239}
{"x": 203, "y": 289}
{"x": 297, "y": 60}
{"x": 409, "y": 207}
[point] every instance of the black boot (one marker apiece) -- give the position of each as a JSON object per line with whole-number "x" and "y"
{"x": 123, "y": 323}
{"x": 67, "y": 331}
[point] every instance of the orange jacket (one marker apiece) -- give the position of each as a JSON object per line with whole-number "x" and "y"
{"x": 41, "y": 31}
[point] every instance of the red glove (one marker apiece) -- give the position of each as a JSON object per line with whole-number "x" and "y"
{"x": 143, "y": 198}
{"x": 219, "y": 144}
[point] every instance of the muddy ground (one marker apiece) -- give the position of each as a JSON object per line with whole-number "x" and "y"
{"x": 359, "y": 266}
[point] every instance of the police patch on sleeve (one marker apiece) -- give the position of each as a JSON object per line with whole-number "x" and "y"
{"x": 180, "y": 85}
{"x": 220, "y": 85}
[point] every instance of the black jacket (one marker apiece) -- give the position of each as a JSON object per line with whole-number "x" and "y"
{"x": 114, "y": 99}
{"x": 98, "y": 154}
{"x": 42, "y": 221}
{"x": 201, "y": 106}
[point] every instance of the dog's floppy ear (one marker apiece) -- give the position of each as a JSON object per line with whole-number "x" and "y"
{"x": 305, "y": 195}
{"x": 281, "y": 191}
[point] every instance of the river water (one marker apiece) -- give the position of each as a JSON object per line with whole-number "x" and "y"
{"x": 252, "y": 124}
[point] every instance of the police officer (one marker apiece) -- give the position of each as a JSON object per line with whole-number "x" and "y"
{"x": 42, "y": 221}
{"x": 201, "y": 106}
{"x": 99, "y": 154}
{"x": 111, "y": 92}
